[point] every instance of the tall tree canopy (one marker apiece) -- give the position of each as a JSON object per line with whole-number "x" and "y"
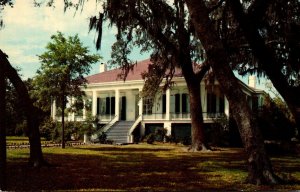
{"x": 140, "y": 16}
{"x": 262, "y": 37}
{"x": 164, "y": 29}
{"x": 63, "y": 66}
{"x": 259, "y": 165}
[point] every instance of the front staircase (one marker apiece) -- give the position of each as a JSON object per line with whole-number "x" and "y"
{"x": 118, "y": 132}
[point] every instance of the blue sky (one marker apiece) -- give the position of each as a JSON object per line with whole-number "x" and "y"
{"x": 28, "y": 29}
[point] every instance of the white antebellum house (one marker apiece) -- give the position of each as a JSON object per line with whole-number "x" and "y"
{"x": 123, "y": 114}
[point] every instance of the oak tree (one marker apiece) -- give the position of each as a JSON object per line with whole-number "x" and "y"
{"x": 259, "y": 165}
{"x": 163, "y": 29}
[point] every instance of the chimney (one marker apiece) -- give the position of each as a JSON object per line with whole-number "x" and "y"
{"x": 252, "y": 81}
{"x": 102, "y": 67}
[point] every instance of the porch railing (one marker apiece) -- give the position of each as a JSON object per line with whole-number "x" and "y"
{"x": 106, "y": 117}
{"x": 181, "y": 116}
{"x": 137, "y": 121}
{"x": 154, "y": 116}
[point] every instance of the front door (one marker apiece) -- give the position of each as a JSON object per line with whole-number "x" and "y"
{"x": 123, "y": 108}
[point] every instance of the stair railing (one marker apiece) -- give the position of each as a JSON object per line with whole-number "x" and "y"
{"x": 109, "y": 124}
{"x": 137, "y": 121}
{"x": 105, "y": 127}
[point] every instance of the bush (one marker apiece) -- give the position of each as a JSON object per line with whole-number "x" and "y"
{"x": 48, "y": 129}
{"x": 150, "y": 138}
{"x": 51, "y": 130}
{"x": 187, "y": 140}
{"x": 172, "y": 139}
{"x": 102, "y": 138}
{"x": 160, "y": 134}
{"x": 20, "y": 127}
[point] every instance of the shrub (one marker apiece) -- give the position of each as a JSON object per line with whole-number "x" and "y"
{"x": 187, "y": 140}
{"x": 102, "y": 138}
{"x": 160, "y": 134}
{"x": 150, "y": 138}
{"x": 47, "y": 129}
{"x": 172, "y": 139}
{"x": 51, "y": 130}
{"x": 20, "y": 127}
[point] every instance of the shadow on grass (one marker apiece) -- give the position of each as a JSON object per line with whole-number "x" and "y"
{"x": 125, "y": 148}
{"x": 134, "y": 169}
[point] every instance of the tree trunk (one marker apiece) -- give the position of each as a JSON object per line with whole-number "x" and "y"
{"x": 267, "y": 60}
{"x": 32, "y": 131}
{"x": 259, "y": 165}
{"x": 198, "y": 138}
{"x": 2, "y": 129}
{"x": 63, "y": 119}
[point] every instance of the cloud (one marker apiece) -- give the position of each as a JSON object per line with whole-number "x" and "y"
{"x": 28, "y": 30}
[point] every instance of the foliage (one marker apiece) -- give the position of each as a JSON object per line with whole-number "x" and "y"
{"x": 63, "y": 65}
{"x": 16, "y": 116}
{"x": 277, "y": 23}
{"x": 159, "y": 27}
{"x": 102, "y": 138}
{"x": 4, "y": 3}
{"x": 261, "y": 37}
{"x": 159, "y": 134}
{"x": 48, "y": 129}
{"x": 90, "y": 124}
{"x": 51, "y": 130}
{"x": 14, "y": 110}
{"x": 61, "y": 74}
{"x": 150, "y": 138}
{"x": 276, "y": 120}
{"x": 163, "y": 28}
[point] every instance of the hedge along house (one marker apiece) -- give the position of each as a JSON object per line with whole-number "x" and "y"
{"x": 123, "y": 114}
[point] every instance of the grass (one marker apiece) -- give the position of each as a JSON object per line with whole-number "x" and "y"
{"x": 141, "y": 167}
{"x": 18, "y": 140}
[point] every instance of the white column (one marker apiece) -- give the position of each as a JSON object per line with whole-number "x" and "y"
{"x": 94, "y": 103}
{"x": 168, "y": 97}
{"x": 140, "y": 104}
{"x": 117, "y": 103}
{"x": 226, "y": 107}
{"x": 203, "y": 97}
{"x": 168, "y": 126}
{"x": 84, "y": 110}
{"x": 53, "y": 110}
{"x": 73, "y": 113}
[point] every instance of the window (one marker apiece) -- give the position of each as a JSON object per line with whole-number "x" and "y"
{"x": 177, "y": 103}
{"x": 254, "y": 103}
{"x": 147, "y": 106}
{"x": 184, "y": 103}
{"x": 211, "y": 103}
{"x": 164, "y": 103}
{"x": 107, "y": 109}
{"x": 221, "y": 104}
{"x": 113, "y": 105}
{"x": 98, "y": 106}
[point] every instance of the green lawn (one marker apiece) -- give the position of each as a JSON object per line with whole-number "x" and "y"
{"x": 141, "y": 167}
{"x": 18, "y": 140}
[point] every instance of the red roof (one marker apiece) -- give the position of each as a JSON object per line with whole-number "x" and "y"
{"x": 112, "y": 75}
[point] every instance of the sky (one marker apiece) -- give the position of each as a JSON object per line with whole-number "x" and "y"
{"x": 27, "y": 30}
